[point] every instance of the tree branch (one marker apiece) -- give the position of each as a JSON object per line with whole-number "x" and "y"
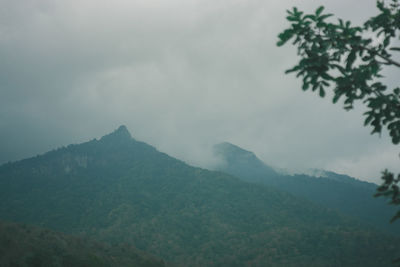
{"x": 397, "y": 64}
{"x": 388, "y": 60}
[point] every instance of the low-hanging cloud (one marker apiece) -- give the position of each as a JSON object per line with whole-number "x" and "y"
{"x": 182, "y": 75}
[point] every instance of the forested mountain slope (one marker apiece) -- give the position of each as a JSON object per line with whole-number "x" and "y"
{"x": 117, "y": 189}
{"x": 337, "y": 191}
{"x": 24, "y": 245}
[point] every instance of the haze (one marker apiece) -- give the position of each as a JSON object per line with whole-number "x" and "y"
{"x": 181, "y": 75}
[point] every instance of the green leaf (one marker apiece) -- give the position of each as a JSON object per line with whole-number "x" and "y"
{"x": 319, "y": 11}
{"x": 285, "y": 36}
{"x": 295, "y": 68}
{"x": 368, "y": 119}
{"x": 336, "y": 98}
{"x": 350, "y": 59}
{"x": 326, "y": 76}
{"x": 321, "y": 91}
{"x": 325, "y": 16}
{"x": 292, "y": 18}
{"x": 386, "y": 41}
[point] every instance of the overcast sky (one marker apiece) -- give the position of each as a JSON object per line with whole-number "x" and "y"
{"x": 182, "y": 75}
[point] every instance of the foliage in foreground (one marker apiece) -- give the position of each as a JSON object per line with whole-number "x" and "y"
{"x": 350, "y": 60}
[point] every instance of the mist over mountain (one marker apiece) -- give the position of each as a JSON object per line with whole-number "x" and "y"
{"x": 337, "y": 191}
{"x": 120, "y": 190}
{"x": 242, "y": 163}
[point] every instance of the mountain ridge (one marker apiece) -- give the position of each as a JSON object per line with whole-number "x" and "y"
{"x": 337, "y": 191}
{"x": 129, "y": 192}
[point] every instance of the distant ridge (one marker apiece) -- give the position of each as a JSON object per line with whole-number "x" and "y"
{"x": 337, "y": 191}
{"x": 242, "y": 163}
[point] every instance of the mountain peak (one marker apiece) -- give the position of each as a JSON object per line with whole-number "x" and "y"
{"x": 242, "y": 163}
{"x": 122, "y": 129}
{"x": 120, "y": 134}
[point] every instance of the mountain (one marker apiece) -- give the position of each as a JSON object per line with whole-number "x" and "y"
{"x": 331, "y": 190}
{"x": 119, "y": 190}
{"x": 242, "y": 163}
{"x": 24, "y": 245}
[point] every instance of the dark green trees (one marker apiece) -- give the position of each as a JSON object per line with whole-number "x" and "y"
{"x": 350, "y": 60}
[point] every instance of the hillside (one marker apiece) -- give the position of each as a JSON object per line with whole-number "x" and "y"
{"x": 336, "y": 191}
{"x": 117, "y": 189}
{"x": 23, "y": 245}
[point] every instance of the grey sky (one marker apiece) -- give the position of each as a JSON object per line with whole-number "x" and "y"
{"x": 181, "y": 74}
